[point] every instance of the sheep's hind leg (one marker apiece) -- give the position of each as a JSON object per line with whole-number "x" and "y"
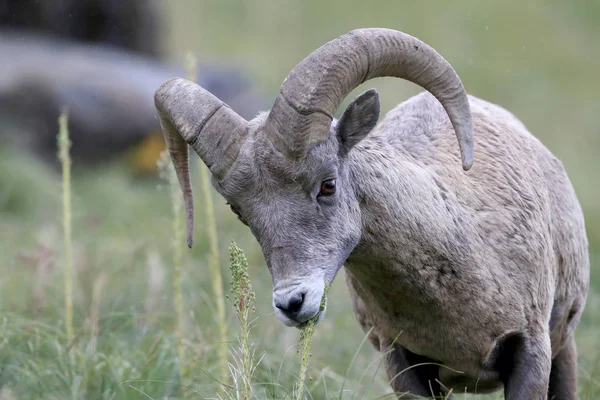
{"x": 524, "y": 367}
{"x": 563, "y": 376}
{"x": 408, "y": 379}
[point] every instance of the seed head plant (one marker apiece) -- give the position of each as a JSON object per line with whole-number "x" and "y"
{"x": 213, "y": 261}
{"x": 308, "y": 330}
{"x": 167, "y": 172}
{"x": 244, "y": 304}
{"x": 64, "y": 144}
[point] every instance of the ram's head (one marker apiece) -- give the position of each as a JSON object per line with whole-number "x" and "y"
{"x": 286, "y": 173}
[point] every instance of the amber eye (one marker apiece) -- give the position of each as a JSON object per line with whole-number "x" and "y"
{"x": 327, "y": 187}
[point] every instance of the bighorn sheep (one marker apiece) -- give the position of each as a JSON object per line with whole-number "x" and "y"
{"x": 483, "y": 272}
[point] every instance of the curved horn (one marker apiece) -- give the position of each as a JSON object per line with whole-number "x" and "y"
{"x": 191, "y": 115}
{"x": 315, "y": 88}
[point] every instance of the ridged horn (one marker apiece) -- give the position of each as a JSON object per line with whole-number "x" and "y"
{"x": 314, "y": 89}
{"x": 191, "y": 115}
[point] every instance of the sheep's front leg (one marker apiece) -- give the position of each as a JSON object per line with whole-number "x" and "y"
{"x": 408, "y": 378}
{"x": 525, "y": 367}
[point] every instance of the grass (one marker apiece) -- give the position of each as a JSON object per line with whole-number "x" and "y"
{"x": 536, "y": 59}
{"x": 211, "y": 226}
{"x": 125, "y": 342}
{"x": 244, "y": 304}
{"x": 308, "y": 330}
{"x": 167, "y": 172}
{"x": 215, "y": 270}
{"x": 63, "y": 145}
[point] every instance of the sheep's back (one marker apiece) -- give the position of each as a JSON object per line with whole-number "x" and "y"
{"x": 516, "y": 202}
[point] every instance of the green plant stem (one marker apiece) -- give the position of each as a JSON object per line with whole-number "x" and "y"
{"x": 177, "y": 268}
{"x": 215, "y": 270}
{"x": 167, "y": 172}
{"x": 64, "y": 144}
{"x": 305, "y": 342}
{"x": 244, "y": 305}
{"x": 217, "y": 279}
{"x": 305, "y": 359}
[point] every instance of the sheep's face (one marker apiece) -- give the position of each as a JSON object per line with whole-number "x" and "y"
{"x": 303, "y": 213}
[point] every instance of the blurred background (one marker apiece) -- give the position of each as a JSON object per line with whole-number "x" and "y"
{"x": 103, "y": 59}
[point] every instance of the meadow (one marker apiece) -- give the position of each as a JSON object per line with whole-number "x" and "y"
{"x": 539, "y": 59}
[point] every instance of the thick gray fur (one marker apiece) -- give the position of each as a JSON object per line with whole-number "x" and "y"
{"x": 484, "y": 272}
{"x": 445, "y": 261}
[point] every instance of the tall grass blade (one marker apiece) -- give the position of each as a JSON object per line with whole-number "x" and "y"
{"x": 244, "y": 303}
{"x": 95, "y": 313}
{"x": 215, "y": 270}
{"x": 167, "y": 172}
{"x": 305, "y": 341}
{"x": 362, "y": 343}
{"x": 64, "y": 145}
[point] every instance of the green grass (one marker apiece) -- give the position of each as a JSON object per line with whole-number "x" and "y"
{"x": 131, "y": 345}
{"x": 167, "y": 172}
{"x": 538, "y": 59}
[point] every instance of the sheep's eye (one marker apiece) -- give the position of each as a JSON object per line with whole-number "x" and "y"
{"x": 327, "y": 187}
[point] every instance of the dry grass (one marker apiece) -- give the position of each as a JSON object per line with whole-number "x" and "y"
{"x": 167, "y": 172}
{"x": 63, "y": 154}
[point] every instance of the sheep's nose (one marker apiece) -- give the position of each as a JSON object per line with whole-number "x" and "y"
{"x": 290, "y": 303}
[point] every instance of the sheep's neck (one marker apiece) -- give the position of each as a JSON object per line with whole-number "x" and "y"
{"x": 408, "y": 228}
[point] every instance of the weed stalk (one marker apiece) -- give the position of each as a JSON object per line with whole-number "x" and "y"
{"x": 215, "y": 270}
{"x": 167, "y": 172}
{"x": 244, "y": 303}
{"x": 304, "y": 346}
{"x": 64, "y": 145}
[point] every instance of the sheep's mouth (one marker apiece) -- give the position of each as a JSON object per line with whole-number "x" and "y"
{"x": 316, "y": 319}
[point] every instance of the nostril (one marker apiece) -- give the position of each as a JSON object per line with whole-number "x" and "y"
{"x": 296, "y": 303}
{"x": 293, "y": 303}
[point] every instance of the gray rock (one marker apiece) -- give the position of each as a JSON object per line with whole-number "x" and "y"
{"x": 108, "y": 93}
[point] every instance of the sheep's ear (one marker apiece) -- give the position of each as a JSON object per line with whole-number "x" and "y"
{"x": 359, "y": 118}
